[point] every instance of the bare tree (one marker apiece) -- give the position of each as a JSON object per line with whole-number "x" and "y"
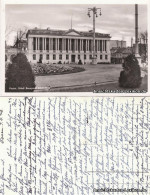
{"x": 144, "y": 40}
{"x": 144, "y": 37}
{"x": 8, "y": 30}
{"x": 20, "y": 35}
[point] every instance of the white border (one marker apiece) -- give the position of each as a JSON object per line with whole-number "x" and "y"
{"x": 83, "y": 94}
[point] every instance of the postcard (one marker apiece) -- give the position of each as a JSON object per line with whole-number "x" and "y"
{"x": 91, "y": 48}
{"x": 71, "y": 145}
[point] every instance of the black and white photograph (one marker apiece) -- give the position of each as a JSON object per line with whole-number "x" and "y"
{"x": 96, "y": 48}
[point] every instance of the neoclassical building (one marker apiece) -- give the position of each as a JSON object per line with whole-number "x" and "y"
{"x": 70, "y": 46}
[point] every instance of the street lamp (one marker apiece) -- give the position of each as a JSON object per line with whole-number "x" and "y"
{"x": 94, "y": 10}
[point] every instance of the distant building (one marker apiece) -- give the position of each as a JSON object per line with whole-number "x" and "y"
{"x": 118, "y": 54}
{"x": 22, "y": 44}
{"x": 117, "y": 43}
{"x": 67, "y": 46}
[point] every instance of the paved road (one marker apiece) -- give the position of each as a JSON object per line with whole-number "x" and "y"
{"x": 99, "y": 73}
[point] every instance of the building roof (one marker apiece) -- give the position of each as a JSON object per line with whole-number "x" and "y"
{"x": 127, "y": 50}
{"x": 120, "y": 50}
{"x": 65, "y": 32}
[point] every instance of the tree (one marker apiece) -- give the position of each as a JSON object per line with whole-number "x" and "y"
{"x": 143, "y": 47}
{"x": 130, "y": 77}
{"x": 19, "y": 74}
{"x": 20, "y": 35}
{"x": 8, "y": 30}
{"x": 144, "y": 37}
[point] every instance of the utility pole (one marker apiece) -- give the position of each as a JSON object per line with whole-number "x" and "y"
{"x": 94, "y": 10}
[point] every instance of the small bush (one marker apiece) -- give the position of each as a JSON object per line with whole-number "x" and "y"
{"x": 130, "y": 77}
{"x": 19, "y": 74}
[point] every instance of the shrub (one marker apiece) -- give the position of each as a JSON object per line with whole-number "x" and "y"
{"x": 19, "y": 74}
{"x": 130, "y": 77}
{"x": 59, "y": 62}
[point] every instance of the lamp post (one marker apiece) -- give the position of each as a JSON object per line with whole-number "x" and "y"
{"x": 94, "y": 10}
{"x": 136, "y": 36}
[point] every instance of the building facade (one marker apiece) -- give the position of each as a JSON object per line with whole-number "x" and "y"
{"x": 117, "y": 43}
{"x": 119, "y": 54}
{"x": 65, "y": 47}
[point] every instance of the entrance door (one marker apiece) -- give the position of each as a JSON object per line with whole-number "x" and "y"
{"x": 72, "y": 58}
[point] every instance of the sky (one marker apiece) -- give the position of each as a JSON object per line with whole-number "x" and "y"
{"x": 116, "y": 20}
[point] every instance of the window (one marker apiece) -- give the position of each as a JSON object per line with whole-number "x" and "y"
{"x": 60, "y": 57}
{"x": 90, "y": 56}
{"x": 105, "y": 57}
{"x": 54, "y": 57}
{"x": 67, "y": 57}
{"x": 34, "y": 56}
{"x": 78, "y": 57}
{"x": 85, "y": 57}
{"x": 101, "y": 57}
{"x": 47, "y": 57}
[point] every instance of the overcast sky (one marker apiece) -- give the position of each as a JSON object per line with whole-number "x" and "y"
{"x": 116, "y": 20}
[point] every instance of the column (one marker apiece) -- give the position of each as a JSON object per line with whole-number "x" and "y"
{"x": 65, "y": 44}
{"x": 108, "y": 44}
{"x": 62, "y": 44}
{"x": 74, "y": 45}
{"x": 42, "y": 43}
{"x": 58, "y": 44}
{"x": 36, "y": 44}
{"x": 55, "y": 43}
{"x": 45, "y": 43}
{"x": 88, "y": 45}
{"x": 81, "y": 44}
{"x": 103, "y": 45}
{"x": 70, "y": 44}
{"x": 49, "y": 42}
{"x": 75, "y": 41}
